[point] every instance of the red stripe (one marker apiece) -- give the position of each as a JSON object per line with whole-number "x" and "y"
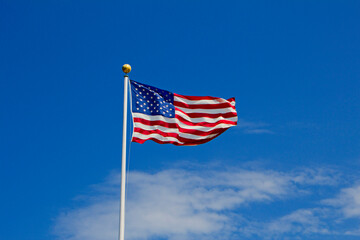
{"x": 181, "y": 130}
{"x": 209, "y": 115}
{"x": 141, "y": 141}
{"x": 203, "y": 106}
{"x": 186, "y": 142}
{"x": 181, "y": 119}
{"x": 197, "y": 97}
{"x": 204, "y": 124}
{"x": 194, "y": 98}
{"x": 201, "y": 133}
{"x": 231, "y": 99}
{"x": 148, "y": 132}
{"x": 156, "y": 122}
{"x": 190, "y": 142}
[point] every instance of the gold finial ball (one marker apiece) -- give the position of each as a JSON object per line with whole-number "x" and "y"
{"x": 126, "y": 68}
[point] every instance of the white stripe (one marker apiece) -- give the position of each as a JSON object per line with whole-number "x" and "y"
{"x": 154, "y": 117}
{"x": 185, "y": 126}
{"x": 173, "y": 130}
{"x": 205, "y": 129}
{"x": 192, "y": 102}
{"x": 174, "y": 120}
{"x": 157, "y": 136}
{"x": 165, "y": 139}
{"x": 204, "y": 119}
{"x": 154, "y": 127}
{"x": 198, "y": 110}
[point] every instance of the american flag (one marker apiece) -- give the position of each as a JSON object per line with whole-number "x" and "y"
{"x": 167, "y": 117}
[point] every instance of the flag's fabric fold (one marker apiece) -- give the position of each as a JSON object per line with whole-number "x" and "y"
{"x": 167, "y": 117}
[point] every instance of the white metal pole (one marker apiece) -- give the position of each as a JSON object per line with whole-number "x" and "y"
{"x": 123, "y": 161}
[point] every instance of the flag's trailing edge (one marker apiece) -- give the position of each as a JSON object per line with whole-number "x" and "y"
{"x": 167, "y": 117}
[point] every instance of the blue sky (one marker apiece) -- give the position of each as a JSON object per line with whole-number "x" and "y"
{"x": 289, "y": 170}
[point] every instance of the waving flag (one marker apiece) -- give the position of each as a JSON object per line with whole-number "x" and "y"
{"x": 166, "y": 117}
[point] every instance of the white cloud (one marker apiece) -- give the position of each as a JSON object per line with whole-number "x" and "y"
{"x": 258, "y": 131}
{"x": 317, "y": 176}
{"x": 182, "y": 204}
{"x": 335, "y": 218}
{"x": 299, "y": 222}
{"x": 254, "y": 127}
{"x": 348, "y": 201}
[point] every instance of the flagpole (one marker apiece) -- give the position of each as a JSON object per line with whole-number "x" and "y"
{"x": 126, "y": 69}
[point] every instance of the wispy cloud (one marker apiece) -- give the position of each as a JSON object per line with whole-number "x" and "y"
{"x": 348, "y": 201}
{"x": 254, "y": 127}
{"x": 337, "y": 217}
{"x": 258, "y": 127}
{"x": 183, "y": 204}
{"x": 258, "y": 131}
{"x": 301, "y": 222}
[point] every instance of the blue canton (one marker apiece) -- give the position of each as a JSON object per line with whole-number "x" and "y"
{"x": 151, "y": 100}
